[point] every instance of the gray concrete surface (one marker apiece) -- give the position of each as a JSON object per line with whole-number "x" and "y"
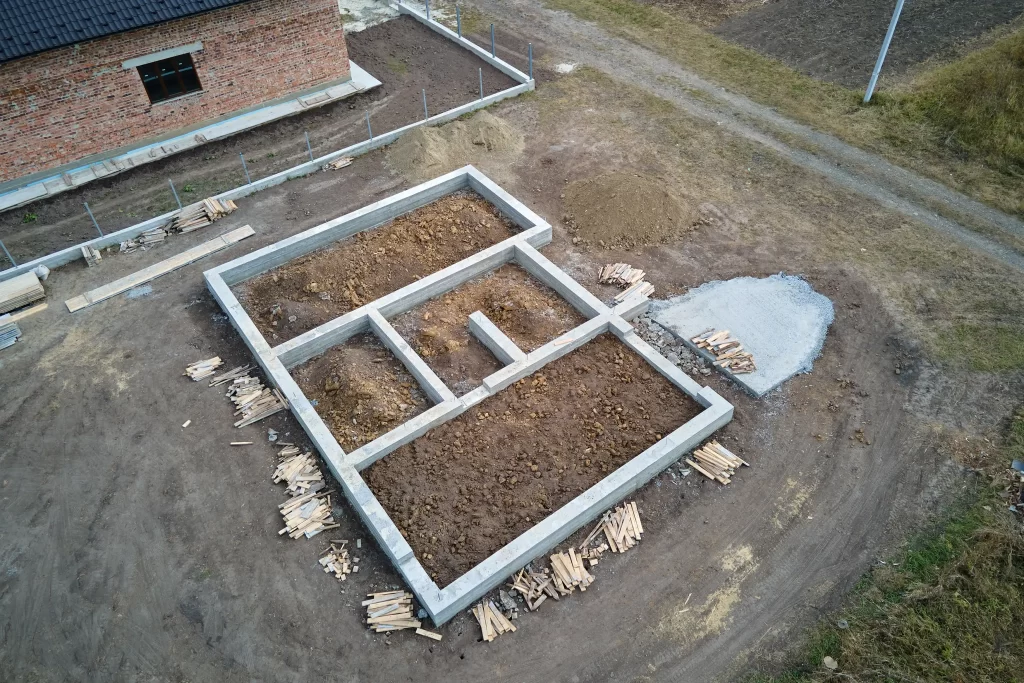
{"x": 780, "y": 319}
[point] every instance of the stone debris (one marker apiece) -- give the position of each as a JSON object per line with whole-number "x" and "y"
{"x": 202, "y": 369}
{"x": 670, "y": 346}
{"x": 728, "y": 351}
{"x": 716, "y": 462}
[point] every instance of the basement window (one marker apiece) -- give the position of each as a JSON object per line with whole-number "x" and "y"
{"x": 169, "y": 78}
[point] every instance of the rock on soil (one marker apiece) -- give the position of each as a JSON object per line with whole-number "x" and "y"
{"x": 473, "y": 484}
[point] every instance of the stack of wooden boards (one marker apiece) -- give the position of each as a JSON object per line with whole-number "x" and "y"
{"x": 335, "y": 560}
{"x": 728, "y": 351}
{"x": 535, "y": 587}
{"x": 298, "y": 471}
{"x": 568, "y": 573}
{"x": 337, "y": 163}
{"x": 202, "y": 369}
{"x": 92, "y": 256}
{"x": 143, "y": 240}
{"x": 253, "y": 401}
{"x": 492, "y": 622}
{"x": 717, "y": 462}
{"x": 622, "y": 529}
{"x": 20, "y": 291}
{"x": 200, "y": 215}
{"x": 230, "y": 375}
{"x": 306, "y": 516}
{"x": 392, "y": 611}
{"x": 625, "y": 275}
{"x": 9, "y": 331}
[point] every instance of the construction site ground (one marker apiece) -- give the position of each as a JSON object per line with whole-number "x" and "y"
{"x": 133, "y": 548}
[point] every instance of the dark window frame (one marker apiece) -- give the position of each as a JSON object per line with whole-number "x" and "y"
{"x": 167, "y": 79}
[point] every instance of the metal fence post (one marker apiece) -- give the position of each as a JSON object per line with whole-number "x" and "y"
{"x": 881, "y": 53}
{"x": 176, "y": 197}
{"x": 531, "y": 60}
{"x": 493, "y": 53}
{"x": 368, "y": 129}
{"x": 458, "y": 20}
{"x": 9, "y": 257}
{"x": 481, "y": 83}
{"x": 245, "y": 168}
{"x": 89, "y": 211}
{"x": 427, "y": 3}
{"x": 308, "y": 147}
{"x": 426, "y": 114}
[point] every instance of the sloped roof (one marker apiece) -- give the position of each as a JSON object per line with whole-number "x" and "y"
{"x": 30, "y": 26}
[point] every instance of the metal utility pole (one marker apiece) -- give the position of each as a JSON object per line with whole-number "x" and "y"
{"x": 883, "y": 51}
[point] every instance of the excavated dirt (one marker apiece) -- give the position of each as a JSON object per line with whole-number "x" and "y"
{"x": 305, "y": 293}
{"x": 429, "y": 152}
{"x": 361, "y": 390}
{"x": 470, "y": 486}
{"x": 522, "y": 307}
{"x": 625, "y": 210}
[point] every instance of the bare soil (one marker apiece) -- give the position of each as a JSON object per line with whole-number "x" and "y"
{"x": 839, "y": 41}
{"x": 307, "y": 292}
{"x": 529, "y": 312}
{"x": 405, "y": 56}
{"x": 361, "y": 390}
{"x": 471, "y": 485}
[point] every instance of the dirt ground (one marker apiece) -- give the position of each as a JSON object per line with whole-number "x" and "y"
{"x": 402, "y": 54}
{"x": 471, "y": 486}
{"x": 135, "y": 549}
{"x": 298, "y": 296}
{"x": 839, "y": 41}
{"x": 361, "y": 390}
{"x": 527, "y": 311}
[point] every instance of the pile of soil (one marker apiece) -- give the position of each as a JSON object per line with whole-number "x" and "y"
{"x": 473, "y": 484}
{"x": 625, "y": 210}
{"x": 526, "y": 310}
{"x": 361, "y": 390}
{"x": 307, "y": 292}
{"x": 429, "y": 152}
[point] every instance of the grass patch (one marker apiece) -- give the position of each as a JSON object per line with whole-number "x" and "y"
{"x": 986, "y": 348}
{"x": 960, "y": 124}
{"x": 951, "y": 608}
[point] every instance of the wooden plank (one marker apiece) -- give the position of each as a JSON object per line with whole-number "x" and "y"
{"x": 25, "y": 312}
{"x": 157, "y": 269}
{"x": 428, "y": 634}
{"x": 636, "y": 518}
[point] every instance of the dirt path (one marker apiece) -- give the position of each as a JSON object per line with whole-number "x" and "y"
{"x": 847, "y": 166}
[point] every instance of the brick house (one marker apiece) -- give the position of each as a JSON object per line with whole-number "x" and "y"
{"x": 79, "y": 78}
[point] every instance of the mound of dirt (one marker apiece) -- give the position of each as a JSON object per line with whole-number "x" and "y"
{"x": 428, "y": 152}
{"x": 626, "y": 209}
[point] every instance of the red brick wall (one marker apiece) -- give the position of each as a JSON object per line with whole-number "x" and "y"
{"x": 65, "y": 104}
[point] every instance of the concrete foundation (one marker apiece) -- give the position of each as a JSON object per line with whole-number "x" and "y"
{"x": 443, "y": 604}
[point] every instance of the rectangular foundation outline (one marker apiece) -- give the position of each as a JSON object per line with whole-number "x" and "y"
{"x": 443, "y": 604}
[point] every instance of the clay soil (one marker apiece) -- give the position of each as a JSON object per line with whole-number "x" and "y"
{"x": 529, "y": 312}
{"x": 470, "y": 486}
{"x": 361, "y": 390}
{"x": 310, "y": 291}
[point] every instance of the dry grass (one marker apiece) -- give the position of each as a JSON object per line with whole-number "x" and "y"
{"x": 975, "y": 148}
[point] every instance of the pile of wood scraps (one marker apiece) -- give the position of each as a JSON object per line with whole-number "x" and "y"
{"x": 728, "y": 351}
{"x": 92, "y": 256}
{"x": 299, "y": 472}
{"x": 235, "y": 373}
{"x": 716, "y": 462}
{"x": 568, "y": 572}
{"x": 337, "y": 163}
{"x": 254, "y": 401}
{"x": 203, "y": 368}
{"x": 492, "y": 622}
{"x": 307, "y": 516}
{"x": 625, "y": 275}
{"x": 20, "y": 291}
{"x": 143, "y": 240}
{"x": 535, "y": 587}
{"x": 622, "y": 530}
{"x": 200, "y": 215}
{"x": 9, "y": 331}
{"x": 392, "y": 611}
{"x": 335, "y": 560}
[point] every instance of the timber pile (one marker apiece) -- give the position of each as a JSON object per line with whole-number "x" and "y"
{"x": 336, "y": 561}
{"x": 9, "y": 331}
{"x": 143, "y": 240}
{"x": 203, "y": 368}
{"x": 728, "y": 351}
{"x": 492, "y": 622}
{"x": 20, "y": 291}
{"x": 716, "y": 462}
{"x": 91, "y": 256}
{"x": 535, "y": 587}
{"x": 307, "y": 516}
{"x": 200, "y": 215}
{"x": 392, "y": 611}
{"x": 230, "y": 375}
{"x": 625, "y": 275}
{"x": 254, "y": 401}
{"x": 337, "y": 163}
{"x": 298, "y": 471}
{"x": 622, "y": 530}
{"x": 568, "y": 572}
